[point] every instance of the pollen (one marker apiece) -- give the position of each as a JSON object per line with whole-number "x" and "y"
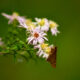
{"x": 36, "y": 35}
{"x": 30, "y": 24}
{"x": 28, "y": 21}
{"x": 53, "y": 25}
{"x": 42, "y": 22}
{"x": 48, "y": 50}
{"x": 15, "y": 14}
{"x": 43, "y": 46}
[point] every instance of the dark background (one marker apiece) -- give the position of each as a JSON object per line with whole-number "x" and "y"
{"x": 67, "y": 14}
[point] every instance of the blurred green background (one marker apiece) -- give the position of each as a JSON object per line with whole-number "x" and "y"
{"x": 67, "y": 14}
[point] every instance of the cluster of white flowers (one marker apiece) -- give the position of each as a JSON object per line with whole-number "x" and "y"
{"x": 38, "y": 31}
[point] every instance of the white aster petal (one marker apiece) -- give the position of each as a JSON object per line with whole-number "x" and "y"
{"x": 41, "y": 40}
{"x": 45, "y": 55}
{"x": 6, "y": 15}
{"x": 45, "y": 38}
{"x": 30, "y": 39}
{"x": 34, "y": 42}
{"x": 54, "y": 31}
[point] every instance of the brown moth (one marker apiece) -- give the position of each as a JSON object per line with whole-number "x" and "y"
{"x": 52, "y": 57}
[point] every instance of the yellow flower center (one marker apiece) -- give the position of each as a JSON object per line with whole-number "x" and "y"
{"x": 48, "y": 50}
{"x": 43, "y": 45}
{"x": 53, "y": 25}
{"x": 30, "y": 24}
{"x": 28, "y": 21}
{"x": 42, "y": 22}
{"x": 15, "y": 14}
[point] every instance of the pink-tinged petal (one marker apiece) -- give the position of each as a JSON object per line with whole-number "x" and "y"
{"x": 30, "y": 39}
{"x": 37, "y": 28}
{"x": 19, "y": 18}
{"x": 44, "y": 34}
{"x": 41, "y": 40}
{"x": 22, "y": 23}
{"x": 38, "y": 46}
{"x": 41, "y": 53}
{"x": 34, "y": 42}
{"x": 45, "y": 28}
{"x": 54, "y": 31}
{"x": 45, "y": 55}
{"x": 45, "y": 38}
{"x": 10, "y": 21}
{"x": 7, "y": 16}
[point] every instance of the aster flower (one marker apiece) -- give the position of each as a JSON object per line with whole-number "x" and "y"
{"x": 44, "y": 50}
{"x": 11, "y": 17}
{"x": 22, "y": 22}
{"x": 14, "y": 16}
{"x": 37, "y": 36}
{"x": 53, "y": 26}
{"x": 31, "y": 25}
{"x": 43, "y": 23}
{"x": 27, "y": 23}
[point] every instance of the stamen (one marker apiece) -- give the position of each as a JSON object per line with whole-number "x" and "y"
{"x": 42, "y": 22}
